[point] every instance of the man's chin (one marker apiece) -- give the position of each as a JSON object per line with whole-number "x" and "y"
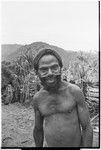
{"x": 50, "y": 84}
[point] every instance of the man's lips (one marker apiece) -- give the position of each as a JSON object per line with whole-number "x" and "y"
{"x": 50, "y": 80}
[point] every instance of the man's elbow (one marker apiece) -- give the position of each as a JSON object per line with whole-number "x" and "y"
{"x": 38, "y": 136}
{"x": 88, "y": 127}
{"x": 37, "y": 131}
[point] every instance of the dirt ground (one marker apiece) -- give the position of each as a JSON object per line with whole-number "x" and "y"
{"x": 18, "y": 124}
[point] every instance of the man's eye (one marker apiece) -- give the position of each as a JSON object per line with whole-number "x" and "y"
{"x": 43, "y": 69}
{"x": 55, "y": 67}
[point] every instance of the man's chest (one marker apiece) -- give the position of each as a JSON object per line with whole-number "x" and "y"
{"x": 56, "y": 103}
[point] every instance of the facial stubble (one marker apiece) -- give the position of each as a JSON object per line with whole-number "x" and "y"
{"x": 51, "y": 87}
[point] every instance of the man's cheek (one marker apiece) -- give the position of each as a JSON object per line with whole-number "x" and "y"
{"x": 43, "y": 79}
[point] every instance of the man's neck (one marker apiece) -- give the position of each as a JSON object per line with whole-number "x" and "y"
{"x": 53, "y": 89}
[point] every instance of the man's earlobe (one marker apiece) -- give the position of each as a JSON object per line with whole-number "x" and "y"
{"x": 36, "y": 72}
{"x": 61, "y": 69}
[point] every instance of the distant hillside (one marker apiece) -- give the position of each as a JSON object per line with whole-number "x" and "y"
{"x": 15, "y": 51}
{"x": 7, "y": 49}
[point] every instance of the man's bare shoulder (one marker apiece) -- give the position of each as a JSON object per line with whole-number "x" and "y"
{"x": 40, "y": 93}
{"x": 70, "y": 86}
{"x": 73, "y": 87}
{"x": 76, "y": 92}
{"x": 38, "y": 96}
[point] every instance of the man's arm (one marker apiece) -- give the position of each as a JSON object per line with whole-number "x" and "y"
{"x": 83, "y": 115}
{"x": 38, "y": 128}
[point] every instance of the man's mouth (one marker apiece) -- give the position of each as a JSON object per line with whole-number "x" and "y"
{"x": 50, "y": 80}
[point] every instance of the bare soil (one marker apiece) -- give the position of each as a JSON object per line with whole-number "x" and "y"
{"x": 18, "y": 124}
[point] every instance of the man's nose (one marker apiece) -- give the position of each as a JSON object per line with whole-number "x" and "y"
{"x": 49, "y": 71}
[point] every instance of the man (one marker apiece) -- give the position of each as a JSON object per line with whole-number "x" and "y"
{"x": 61, "y": 115}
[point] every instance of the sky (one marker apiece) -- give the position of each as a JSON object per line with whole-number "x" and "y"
{"x": 71, "y": 25}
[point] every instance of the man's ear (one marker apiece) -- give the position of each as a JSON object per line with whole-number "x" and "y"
{"x": 61, "y": 70}
{"x": 36, "y": 72}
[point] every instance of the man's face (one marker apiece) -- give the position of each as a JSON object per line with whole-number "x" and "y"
{"x": 49, "y": 71}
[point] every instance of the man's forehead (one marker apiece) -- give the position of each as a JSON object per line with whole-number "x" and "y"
{"x": 47, "y": 59}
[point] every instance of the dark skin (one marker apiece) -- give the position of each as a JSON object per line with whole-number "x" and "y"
{"x": 61, "y": 114}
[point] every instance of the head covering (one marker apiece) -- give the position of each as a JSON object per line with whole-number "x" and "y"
{"x": 44, "y": 52}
